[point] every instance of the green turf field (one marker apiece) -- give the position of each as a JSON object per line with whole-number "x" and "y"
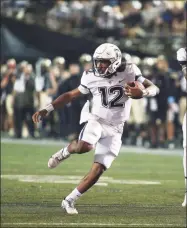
{"x": 33, "y": 198}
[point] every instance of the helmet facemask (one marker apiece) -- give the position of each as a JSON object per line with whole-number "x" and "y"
{"x": 101, "y": 67}
{"x": 106, "y": 60}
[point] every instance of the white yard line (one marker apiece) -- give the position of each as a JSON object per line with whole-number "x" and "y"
{"x": 104, "y": 181}
{"x": 90, "y": 224}
{"x": 124, "y": 149}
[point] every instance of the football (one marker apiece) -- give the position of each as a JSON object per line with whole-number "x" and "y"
{"x": 136, "y": 88}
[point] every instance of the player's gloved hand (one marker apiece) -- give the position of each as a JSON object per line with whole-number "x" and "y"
{"x": 38, "y": 116}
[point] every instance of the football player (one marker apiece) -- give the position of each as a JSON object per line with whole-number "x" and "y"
{"x": 111, "y": 103}
{"x": 182, "y": 59}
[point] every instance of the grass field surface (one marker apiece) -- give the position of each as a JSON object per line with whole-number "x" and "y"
{"x": 139, "y": 190}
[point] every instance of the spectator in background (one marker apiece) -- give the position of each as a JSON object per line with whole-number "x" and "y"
{"x": 54, "y": 79}
{"x": 21, "y": 67}
{"x": 164, "y": 107}
{"x": 173, "y": 109}
{"x": 46, "y": 87}
{"x": 88, "y": 18}
{"x": 58, "y": 17}
{"x": 4, "y": 124}
{"x": 178, "y": 19}
{"x": 63, "y": 114}
{"x": 73, "y": 109}
{"x": 132, "y": 18}
{"x": 42, "y": 81}
{"x": 23, "y": 101}
{"x": 150, "y": 127}
{"x": 7, "y": 84}
{"x": 171, "y": 18}
{"x": 59, "y": 62}
{"x": 136, "y": 123}
{"x": 108, "y": 23}
{"x": 85, "y": 61}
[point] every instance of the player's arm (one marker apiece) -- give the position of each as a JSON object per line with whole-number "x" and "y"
{"x": 56, "y": 104}
{"x": 150, "y": 90}
{"x": 65, "y": 98}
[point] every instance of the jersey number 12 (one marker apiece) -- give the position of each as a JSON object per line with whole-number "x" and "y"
{"x": 106, "y": 92}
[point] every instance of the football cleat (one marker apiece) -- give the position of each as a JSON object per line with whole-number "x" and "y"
{"x": 57, "y": 158}
{"x": 184, "y": 204}
{"x": 69, "y": 207}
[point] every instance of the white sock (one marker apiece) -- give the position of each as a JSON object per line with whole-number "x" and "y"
{"x": 74, "y": 195}
{"x": 65, "y": 152}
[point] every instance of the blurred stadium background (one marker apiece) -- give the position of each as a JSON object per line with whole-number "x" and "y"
{"x": 45, "y": 46}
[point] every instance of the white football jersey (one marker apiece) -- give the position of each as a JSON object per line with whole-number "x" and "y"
{"x": 181, "y": 55}
{"x": 109, "y": 101}
{"x": 182, "y": 59}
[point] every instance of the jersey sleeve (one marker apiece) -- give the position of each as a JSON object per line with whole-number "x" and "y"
{"x": 83, "y": 87}
{"x": 138, "y": 74}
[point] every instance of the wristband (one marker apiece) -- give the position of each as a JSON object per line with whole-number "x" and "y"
{"x": 151, "y": 92}
{"x": 145, "y": 93}
{"x": 49, "y": 108}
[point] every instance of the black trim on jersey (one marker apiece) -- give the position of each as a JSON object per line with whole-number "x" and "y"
{"x": 138, "y": 76}
{"x": 91, "y": 103}
{"x": 82, "y": 131}
{"x": 122, "y": 67}
{"x": 84, "y": 86}
{"x": 182, "y": 62}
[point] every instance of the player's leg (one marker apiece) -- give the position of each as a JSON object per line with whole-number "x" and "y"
{"x": 184, "y": 204}
{"x": 161, "y": 125}
{"x": 79, "y": 147}
{"x": 88, "y": 137}
{"x": 86, "y": 183}
{"x": 171, "y": 113}
{"x": 106, "y": 151}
